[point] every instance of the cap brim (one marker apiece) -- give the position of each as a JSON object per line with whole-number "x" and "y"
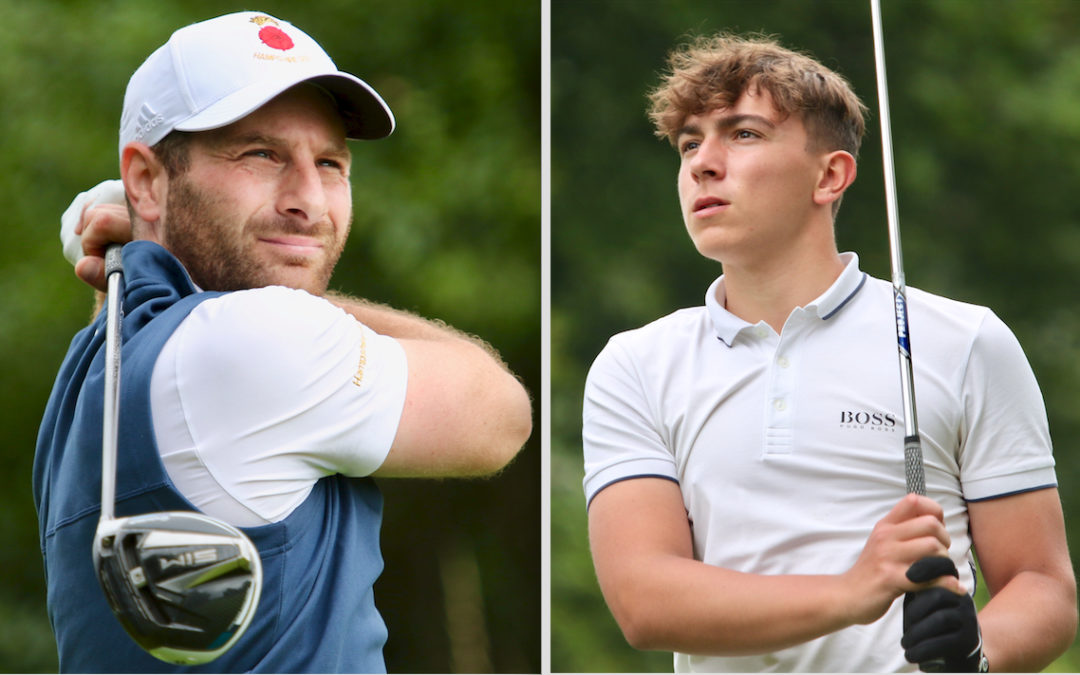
{"x": 366, "y": 115}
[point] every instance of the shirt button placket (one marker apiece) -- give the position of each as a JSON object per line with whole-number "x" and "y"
{"x": 778, "y": 432}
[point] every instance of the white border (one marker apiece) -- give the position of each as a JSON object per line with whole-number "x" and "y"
{"x": 545, "y": 336}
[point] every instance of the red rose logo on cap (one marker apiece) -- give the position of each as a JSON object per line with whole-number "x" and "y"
{"x": 275, "y": 38}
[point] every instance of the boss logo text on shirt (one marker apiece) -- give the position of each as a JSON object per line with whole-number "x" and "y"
{"x": 877, "y": 421}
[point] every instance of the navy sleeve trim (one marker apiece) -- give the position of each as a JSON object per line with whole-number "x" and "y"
{"x": 1010, "y": 494}
{"x": 624, "y": 478}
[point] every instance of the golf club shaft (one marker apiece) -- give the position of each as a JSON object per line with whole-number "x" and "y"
{"x": 114, "y": 274}
{"x": 913, "y": 463}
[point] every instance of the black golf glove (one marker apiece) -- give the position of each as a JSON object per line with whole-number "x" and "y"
{"x": 941, "y": 630}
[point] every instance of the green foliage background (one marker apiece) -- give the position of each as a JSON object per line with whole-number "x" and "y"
{"x": 986, "y": 122}
{"x": 985, "y": 103}
{"x": 447, "y": 224}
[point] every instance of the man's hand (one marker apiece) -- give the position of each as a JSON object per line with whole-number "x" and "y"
{"x": 941, "y": 629}
{"x": 95, "y": 219}
{"x": 912, "y": 530}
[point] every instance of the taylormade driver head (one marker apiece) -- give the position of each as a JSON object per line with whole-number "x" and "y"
{"x": 184, "y": 586}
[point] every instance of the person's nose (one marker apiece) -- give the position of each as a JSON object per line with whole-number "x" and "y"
{"x": 709, "y": 160}
{"x": 303, "y": 195}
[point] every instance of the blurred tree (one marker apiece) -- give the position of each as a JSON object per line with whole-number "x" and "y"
{"x": 985, "y": 103}
{"x": 447, "y": 210}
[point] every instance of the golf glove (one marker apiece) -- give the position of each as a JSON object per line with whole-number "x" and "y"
{"x": 941, "y": 629}
{"x": 106, "y": 192}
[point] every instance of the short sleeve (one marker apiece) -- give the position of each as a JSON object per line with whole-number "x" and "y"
{"x": 619, "y": 435}
{"x": 1006, "y": 445}
{"x": 278, "y": 386}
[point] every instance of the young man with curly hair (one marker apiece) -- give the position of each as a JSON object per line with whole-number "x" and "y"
{"x": 743, "y": 462}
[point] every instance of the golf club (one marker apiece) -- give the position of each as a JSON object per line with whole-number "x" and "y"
{"x": 914, "y": 473}
{"x": 183, "y": 585}
{"x": 913, "y": 459}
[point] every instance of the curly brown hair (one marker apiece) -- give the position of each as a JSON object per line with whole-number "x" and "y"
{"x": 713, "y": 72}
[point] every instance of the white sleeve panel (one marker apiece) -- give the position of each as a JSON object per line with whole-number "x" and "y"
{"x": 1006, "y": 445}
{"x": 276, "y": 389}
{"x": 619, "y": 436}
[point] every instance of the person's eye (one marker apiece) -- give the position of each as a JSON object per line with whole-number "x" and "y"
{"x": 688, "y": 146}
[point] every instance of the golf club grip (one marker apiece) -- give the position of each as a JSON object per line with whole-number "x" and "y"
{"x": 914, "y": 473}
{"x": 111, "y": 405}
{"x": 113, "y": 259}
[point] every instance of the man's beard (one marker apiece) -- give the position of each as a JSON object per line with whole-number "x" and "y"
{"x": 220, "y": 255}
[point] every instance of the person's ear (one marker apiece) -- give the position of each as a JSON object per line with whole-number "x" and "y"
{"x": 837, "y": 173}
{"x": 146, "y": 183}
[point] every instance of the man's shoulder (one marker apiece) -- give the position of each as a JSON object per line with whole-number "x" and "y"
{"x": 682, "y": 321}
{"x": 274, "y": 298}
{"x": 268, "y": 320}
{"x": 948, "y": 327}
{"x": 659, "y": 340}
{"x": 674, "y": 331}
{"x": 274, "y": 304}
{"x": 943, "y": 303}
{"x": 937, "y": 306}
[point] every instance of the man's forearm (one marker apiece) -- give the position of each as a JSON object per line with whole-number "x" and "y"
{"x": 1029, "y": 623}
{"x": 401, "y": 324}
{"x": 717, "y": 612}
{"x": 664, "y": 599}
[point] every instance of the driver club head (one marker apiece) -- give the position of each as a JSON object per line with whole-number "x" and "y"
{"x": 184, "y": 586}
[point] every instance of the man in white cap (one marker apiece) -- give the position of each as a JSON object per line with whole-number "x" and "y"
{"x": 247, "y": 395}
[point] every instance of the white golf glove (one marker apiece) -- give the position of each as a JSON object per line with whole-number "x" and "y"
{"x": 105, "y": 192}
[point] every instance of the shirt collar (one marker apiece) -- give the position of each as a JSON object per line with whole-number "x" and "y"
{"x": 825, "y": 306}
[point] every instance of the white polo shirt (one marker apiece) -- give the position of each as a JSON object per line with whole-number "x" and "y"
{"x": 789, "y": 448}
{"x": 260, "y": 393}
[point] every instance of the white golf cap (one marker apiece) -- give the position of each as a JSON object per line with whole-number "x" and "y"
{"x": 215, "y": 72}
